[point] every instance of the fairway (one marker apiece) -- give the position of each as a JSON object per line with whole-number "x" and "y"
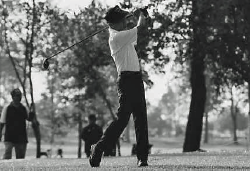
{"x": 166, "y": 154}
{"x": 174, "y": 161}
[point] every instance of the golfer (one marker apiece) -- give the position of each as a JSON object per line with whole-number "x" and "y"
{"x": 130, "y": 87}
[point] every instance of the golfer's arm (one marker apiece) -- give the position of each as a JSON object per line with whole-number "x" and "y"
{"x": 141, "y": 22}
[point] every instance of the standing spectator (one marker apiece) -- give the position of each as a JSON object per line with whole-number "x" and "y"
{"x": 13, "y": 119}
{"x": 91, "y": 134}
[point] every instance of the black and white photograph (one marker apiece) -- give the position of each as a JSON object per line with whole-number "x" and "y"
{"x": 147, "y": 85}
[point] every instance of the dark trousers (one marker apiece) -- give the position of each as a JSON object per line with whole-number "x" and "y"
{"x": 131, "y": 100}
{"x": 87, "y": 148}
{"x": 20, "y": 149}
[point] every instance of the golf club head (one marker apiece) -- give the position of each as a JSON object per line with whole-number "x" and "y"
{"x": 46, "y": 64}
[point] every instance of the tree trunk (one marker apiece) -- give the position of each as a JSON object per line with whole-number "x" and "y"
{"x": 29, "y": 50}
{"x": 36, "y": 128}
{"x": 234, "y": 118}
{"x": 52, "y": 111}
{"x": 248, "y": 135}
{"x": 206, "y": 129}
{"x": 79, "y": 134}
{"x": 198, "y": 96}
{"x": 194, "y": 125}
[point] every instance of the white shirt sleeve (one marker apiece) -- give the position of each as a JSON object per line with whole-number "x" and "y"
{"x": 3, "y": 115}
{"x": 123, "y": 38}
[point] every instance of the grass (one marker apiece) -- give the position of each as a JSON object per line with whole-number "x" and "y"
{"x": 174, "y": 161}
{"x": 166, "y": 155}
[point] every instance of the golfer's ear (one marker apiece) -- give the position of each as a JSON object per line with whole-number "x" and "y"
{"x": 111, "y": 25}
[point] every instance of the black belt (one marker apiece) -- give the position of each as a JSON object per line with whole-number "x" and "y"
{"x": 127, "y": 73}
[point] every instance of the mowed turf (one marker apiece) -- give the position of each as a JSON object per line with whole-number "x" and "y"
{"x": 175, "y": 161}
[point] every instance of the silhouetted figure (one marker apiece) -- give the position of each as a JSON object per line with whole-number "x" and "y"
{"x": 13, "y": 118}
{"x": 91, "y": 133}
{"x": 46, "y": 154}
{"x": 60, "y": 153}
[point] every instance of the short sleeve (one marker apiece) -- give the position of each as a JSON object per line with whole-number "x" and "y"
{"x": 127, "y": 37}
{"x": 121, "y": 39}
{"x": 3, "y": 115}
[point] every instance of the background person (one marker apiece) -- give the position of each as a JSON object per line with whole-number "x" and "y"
{"x": 13, "y": 119}
{"x": 91, "y": 134}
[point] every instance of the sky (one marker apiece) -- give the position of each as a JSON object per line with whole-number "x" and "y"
{"x": 153, "y": 95}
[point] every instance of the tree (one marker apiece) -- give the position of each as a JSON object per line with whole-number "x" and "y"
{"x": 222, "y": 37}
{"x": 21, "y": 51}
{"x": 157, "y": 125}
{"x": 225, "y": 123}
{"x": 81, "y": 73}
{"x": 197, "y": 79}
{"x": 228, "y": 45}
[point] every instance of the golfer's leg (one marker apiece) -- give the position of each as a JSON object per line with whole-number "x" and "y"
{"x": 8, "y": 150}
{"x": 20, "y": 150}
{"x": 141, "y": 124}
{"x": 114, "y": 130}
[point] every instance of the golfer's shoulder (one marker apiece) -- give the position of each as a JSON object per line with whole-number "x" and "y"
{"x": 126, "y": 33}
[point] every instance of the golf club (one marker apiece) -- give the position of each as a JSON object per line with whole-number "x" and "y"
{"x": 46, "y": 61}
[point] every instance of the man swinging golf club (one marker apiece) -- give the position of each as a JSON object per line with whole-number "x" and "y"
{"x": 130, "y": 87}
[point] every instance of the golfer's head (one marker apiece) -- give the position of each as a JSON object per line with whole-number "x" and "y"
{"x": 117, "y": 18}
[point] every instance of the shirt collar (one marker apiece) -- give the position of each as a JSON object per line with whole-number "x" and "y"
{"x": 112, "y": 30}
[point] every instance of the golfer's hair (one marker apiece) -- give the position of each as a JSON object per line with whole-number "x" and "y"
{"x": 115, "y": 15}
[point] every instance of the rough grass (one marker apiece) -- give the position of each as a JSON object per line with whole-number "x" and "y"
{"x": 175, "y": 161}
{"x": 166, "y": 155}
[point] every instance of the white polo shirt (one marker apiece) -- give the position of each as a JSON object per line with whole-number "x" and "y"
{"x": 3, "y": 115}
{"x": 122, "y": 49}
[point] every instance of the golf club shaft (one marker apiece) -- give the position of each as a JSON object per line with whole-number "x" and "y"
{"x": 91, "y": 35}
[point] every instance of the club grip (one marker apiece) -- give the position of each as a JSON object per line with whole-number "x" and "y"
{"x": 144, "y": 11}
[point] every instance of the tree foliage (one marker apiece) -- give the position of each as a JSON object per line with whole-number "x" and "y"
{"x": 22, "y": 22}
